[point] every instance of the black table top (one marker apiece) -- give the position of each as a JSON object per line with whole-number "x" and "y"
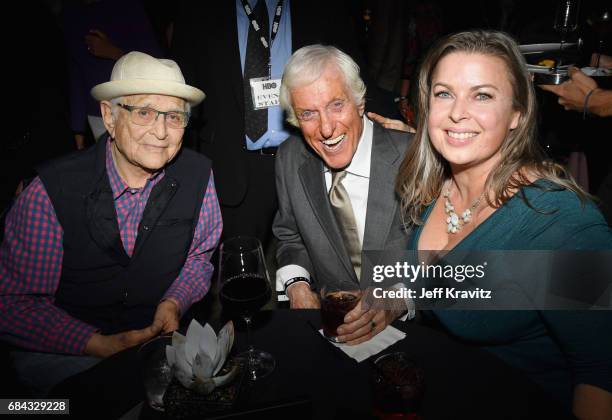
{"x": 317, "y": 380}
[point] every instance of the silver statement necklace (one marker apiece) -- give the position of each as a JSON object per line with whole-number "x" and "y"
{"x": 454, "y": 222}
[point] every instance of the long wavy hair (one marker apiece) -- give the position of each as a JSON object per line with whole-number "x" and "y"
{"x": 423, "y": 172}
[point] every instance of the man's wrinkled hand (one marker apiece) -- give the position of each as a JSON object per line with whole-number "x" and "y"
{"x": 363, "y": 322}
{"x": 167, "y": 316}
{"x": 106, "y": 345}
{"x": 301, "y": 297}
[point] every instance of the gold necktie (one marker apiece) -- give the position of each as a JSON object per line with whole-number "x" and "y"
{"x": 343, "y": 210}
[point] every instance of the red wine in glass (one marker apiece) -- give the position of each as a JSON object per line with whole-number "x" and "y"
{"x": 245, "y": 294}
{"x": 244, "y": 287}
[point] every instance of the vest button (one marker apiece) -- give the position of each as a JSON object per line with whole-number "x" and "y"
{"x": 145, "y": 227}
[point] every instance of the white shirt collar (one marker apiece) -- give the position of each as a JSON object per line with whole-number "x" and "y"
{"x": 360, "y": 164}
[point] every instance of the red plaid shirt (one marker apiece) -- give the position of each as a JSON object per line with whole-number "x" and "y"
{"x": 31, "y": 263}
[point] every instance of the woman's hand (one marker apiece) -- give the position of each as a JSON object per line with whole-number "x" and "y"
{"x": 391, "y": 123}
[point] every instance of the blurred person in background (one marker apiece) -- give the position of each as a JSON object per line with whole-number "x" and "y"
{"x": 96, "y": 34}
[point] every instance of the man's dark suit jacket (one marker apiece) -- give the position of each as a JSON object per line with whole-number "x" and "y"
{"x": 305, "y": 226}
{"x": 205, "y": 45}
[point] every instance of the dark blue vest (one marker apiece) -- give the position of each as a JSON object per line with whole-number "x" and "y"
{"x": 100, "y": 284}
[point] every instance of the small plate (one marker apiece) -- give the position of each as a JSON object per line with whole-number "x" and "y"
{"x": 533, "y": 68}
{"x": 540, "y": 48}
{"x": 553, "y": 78}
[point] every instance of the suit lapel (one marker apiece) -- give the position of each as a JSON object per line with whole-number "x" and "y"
{"x": 313, "y": 180}
{"x": 382, "y": 205}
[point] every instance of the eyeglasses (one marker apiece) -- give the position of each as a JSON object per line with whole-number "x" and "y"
{"x": 335, "y": 107}
{"x": 140, "y": 115}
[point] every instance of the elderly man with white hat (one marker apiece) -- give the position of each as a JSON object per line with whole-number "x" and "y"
{"x": 109, "y": 247}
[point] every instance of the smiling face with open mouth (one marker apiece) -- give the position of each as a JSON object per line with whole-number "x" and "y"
{"x": 330, "y": 121}
{"x": 470, "y": 109}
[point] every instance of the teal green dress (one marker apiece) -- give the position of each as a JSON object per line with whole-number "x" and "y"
{"x": 556, "y": 349}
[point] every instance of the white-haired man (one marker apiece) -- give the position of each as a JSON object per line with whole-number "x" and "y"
{"x": 335, "y": 186}
{"x": 109, "y": 247}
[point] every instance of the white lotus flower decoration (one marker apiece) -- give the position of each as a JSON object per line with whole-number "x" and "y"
{"x": 197, "y": 357}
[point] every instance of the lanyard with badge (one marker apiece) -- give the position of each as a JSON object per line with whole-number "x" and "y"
{"x": 265, "y": 91}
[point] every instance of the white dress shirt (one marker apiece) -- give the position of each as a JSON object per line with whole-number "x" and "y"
{"x": 356, "y": 182}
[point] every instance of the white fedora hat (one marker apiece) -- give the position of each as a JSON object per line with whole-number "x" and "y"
{"x": 138, "y": 73}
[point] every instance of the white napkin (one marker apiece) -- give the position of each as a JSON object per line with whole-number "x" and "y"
{"x": 596, "y": 71}
{"x": 376, "y": 344}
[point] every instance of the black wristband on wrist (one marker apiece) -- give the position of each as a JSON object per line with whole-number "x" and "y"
{"x": 585, "y": 107}
{"x": 296, "y": 280}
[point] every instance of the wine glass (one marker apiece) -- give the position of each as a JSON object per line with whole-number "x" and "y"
{"x": 244, "y": 288}
{"x": 566, "y": 21}
{"x": 601, "y": 21}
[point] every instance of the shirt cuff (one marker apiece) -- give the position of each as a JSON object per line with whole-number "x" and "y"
{"x": 286, "y": 273}
{"x": 411, "y": 312}
{"x": 76, "y": 334}
{"x": 179, "y": 295}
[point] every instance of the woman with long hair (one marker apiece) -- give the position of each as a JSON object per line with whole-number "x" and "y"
{"x": 475, "y": 178}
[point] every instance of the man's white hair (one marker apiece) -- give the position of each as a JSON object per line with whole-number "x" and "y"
{"x": 308, "y": 63}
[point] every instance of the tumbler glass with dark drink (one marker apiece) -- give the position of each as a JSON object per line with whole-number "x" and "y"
{"x": 335, "y": 304}
{"x": 398, "y": 385}
{"x": 244, "y": 287}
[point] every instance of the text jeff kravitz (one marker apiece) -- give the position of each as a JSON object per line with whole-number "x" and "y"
{"x": 435, "y": 293}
